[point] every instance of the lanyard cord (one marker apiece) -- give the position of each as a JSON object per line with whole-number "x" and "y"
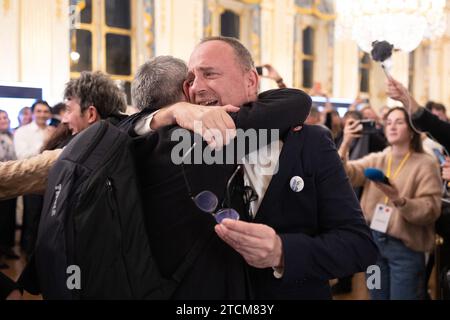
{"x": 400, "y": 167}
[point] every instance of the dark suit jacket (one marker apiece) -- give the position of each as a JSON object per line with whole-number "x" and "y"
{"x": 428, "y": 122}
{"x": 322, "y": 228}
{"x": 173, "y": 221}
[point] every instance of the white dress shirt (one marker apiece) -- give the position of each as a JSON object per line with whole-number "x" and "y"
{"x": 28, "y": 140}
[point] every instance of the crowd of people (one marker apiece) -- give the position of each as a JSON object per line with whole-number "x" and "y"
{"x": 316, "y": 219}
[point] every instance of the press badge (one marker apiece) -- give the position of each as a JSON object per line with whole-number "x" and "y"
{"x": 381, "y": 217}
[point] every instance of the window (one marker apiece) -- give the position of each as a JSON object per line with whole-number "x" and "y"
{"x": 103, "y": 39}
{"x": 308, "y": 58}
{"x": 230, "y": 24}
{"x": 364, "y": 72}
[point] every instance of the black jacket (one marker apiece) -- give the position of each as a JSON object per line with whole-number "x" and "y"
{"x": 322, "y": 227}
{"x": 428, "y": 122}
{"x": 174, "y": 223}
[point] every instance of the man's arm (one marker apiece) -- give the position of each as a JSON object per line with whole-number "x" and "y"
{"x": 214, "y": 124}
{"x": 422, "y": 118}
{"x": 279, "y": 109}
{"x": 428, "y": 122}
{"x": 26, "y": 176}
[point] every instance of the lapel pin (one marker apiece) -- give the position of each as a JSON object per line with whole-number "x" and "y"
{"x": 297, "y": 184}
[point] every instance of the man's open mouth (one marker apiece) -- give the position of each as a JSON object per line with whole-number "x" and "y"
{"x": 209, "y": 103}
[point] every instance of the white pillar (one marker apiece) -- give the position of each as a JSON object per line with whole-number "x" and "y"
{"x": 10, "y": 37}
{"x": 346, "y": 69}
{"x": 179, "y": 26}
{"x": 44, "y": 46}
{"x": 277, "y": 39}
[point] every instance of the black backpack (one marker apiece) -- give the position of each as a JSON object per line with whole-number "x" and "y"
{"x": 92, "y": 241}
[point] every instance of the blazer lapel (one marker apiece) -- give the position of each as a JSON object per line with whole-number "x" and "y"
{"x": 289, "y": 156}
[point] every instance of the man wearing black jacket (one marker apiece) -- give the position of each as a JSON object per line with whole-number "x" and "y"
{"x": 307, "y": 226}
{"x": 175, "y": 224}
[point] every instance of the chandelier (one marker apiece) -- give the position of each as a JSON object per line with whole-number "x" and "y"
{"x": 403, "y": 23}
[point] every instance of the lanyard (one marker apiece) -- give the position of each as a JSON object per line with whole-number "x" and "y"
{"x": 400, "y": 167}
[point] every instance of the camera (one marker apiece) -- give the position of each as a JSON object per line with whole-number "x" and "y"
{"x": 259, "y": 70}
{"x": 369, "y": 126}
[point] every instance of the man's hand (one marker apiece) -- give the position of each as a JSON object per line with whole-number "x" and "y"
{"x": 446, "y": 169}
{"x": 396, "y": 91}
{"x": 214, "y": 124}
{"x": 259, "y": 244}
{"x": 14, "y": 295}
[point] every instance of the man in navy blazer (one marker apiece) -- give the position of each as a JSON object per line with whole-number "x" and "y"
{"x": 309, "y": 226}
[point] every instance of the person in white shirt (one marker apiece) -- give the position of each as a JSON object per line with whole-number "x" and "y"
{"x": 28, "y": 140}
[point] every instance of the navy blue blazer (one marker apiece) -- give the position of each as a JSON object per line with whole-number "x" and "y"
{"x": 322, "y": 228}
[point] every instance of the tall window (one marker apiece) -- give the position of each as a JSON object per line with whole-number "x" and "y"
{"x": 308, "y": 57}
{"x": 230, "y": 24}
{"x": 103, "y": 40}
{"x": 364, "y": 72}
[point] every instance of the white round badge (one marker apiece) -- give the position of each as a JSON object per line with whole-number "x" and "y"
{"x": 297, "y": 184}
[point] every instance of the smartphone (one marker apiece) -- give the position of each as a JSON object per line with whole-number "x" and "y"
{"x": 439, "y": 155}
{"x": 259, "y": 69}
{"x": 369, "y": 126}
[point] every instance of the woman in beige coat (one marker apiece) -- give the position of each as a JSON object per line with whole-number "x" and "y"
{"x": 402, "y": 214}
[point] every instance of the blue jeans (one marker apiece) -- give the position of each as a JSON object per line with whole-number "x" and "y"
{"x": 402, "y": 270}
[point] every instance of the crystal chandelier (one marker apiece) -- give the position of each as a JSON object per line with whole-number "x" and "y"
{"x": 404, "y": 23}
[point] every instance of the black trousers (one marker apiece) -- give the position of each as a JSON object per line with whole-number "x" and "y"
{"x": 7, "y": 223}
{"x": 32, "y": 207}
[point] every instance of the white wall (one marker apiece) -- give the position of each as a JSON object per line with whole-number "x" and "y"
{"x": 9, "y": 37}
{"x": 179, "y": 27}
{"x": 346, "y": 69}
{"x": 36, "y": 35}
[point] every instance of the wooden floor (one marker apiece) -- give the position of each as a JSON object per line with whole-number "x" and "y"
{"x": 16, "y": 266}
{"x": 359, "y": 291}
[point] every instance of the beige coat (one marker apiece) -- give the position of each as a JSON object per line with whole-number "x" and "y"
{"x": 26, "y": 176}
{"x": 419, "y": 182}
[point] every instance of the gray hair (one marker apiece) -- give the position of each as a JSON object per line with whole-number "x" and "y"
{"x": 243, "y": 56}
{"x": 159, "y": 82}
